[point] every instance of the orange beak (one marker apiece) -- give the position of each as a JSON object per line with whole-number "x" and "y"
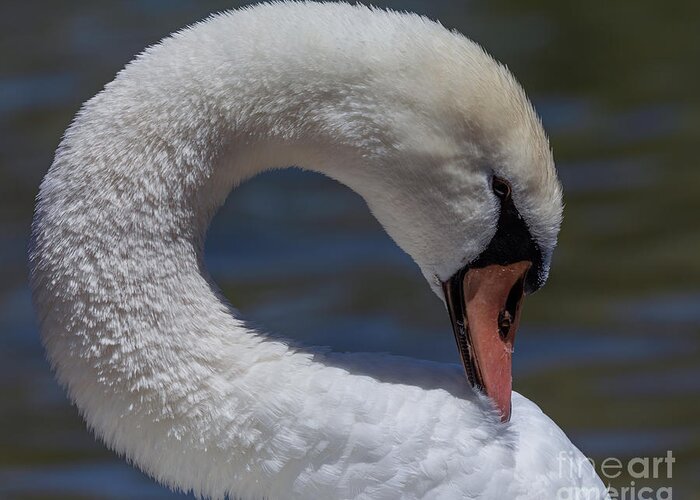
{"x": 484, "y": 305}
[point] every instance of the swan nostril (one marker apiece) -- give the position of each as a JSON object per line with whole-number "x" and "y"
{"x": 505, "y": 321}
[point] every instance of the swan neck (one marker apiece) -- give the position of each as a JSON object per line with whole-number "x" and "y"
{"x": 151, "y": 353}
{"x": 154, "y": 357}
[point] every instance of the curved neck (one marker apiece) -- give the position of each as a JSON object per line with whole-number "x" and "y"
{"x": 153, "y": 356}
{"x": 151, "y": 353}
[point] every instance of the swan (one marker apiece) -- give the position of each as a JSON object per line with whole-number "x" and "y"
{"x": 450, "y": 157}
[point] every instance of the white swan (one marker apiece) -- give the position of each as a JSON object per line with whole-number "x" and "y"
{"x": 448, "y": 153}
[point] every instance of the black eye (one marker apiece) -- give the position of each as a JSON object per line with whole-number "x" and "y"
{"x": 501, "y": 188}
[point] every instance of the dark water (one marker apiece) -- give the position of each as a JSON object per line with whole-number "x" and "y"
{"x": 610, "y": 347}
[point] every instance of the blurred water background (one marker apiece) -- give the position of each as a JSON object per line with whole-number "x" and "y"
{"x": 610, "y": 348}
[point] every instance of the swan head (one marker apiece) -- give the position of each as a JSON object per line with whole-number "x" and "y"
{"x": 473, "y": 197}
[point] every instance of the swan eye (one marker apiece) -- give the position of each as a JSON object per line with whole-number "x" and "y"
{"x": 501, "y": 188}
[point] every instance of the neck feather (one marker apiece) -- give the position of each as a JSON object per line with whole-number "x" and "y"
{"x": 154, "y": 358}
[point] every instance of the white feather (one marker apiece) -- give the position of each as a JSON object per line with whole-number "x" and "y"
{"x": 415, "y": 119}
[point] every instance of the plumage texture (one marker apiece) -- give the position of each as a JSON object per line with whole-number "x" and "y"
{"x": 414, "y": 118}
